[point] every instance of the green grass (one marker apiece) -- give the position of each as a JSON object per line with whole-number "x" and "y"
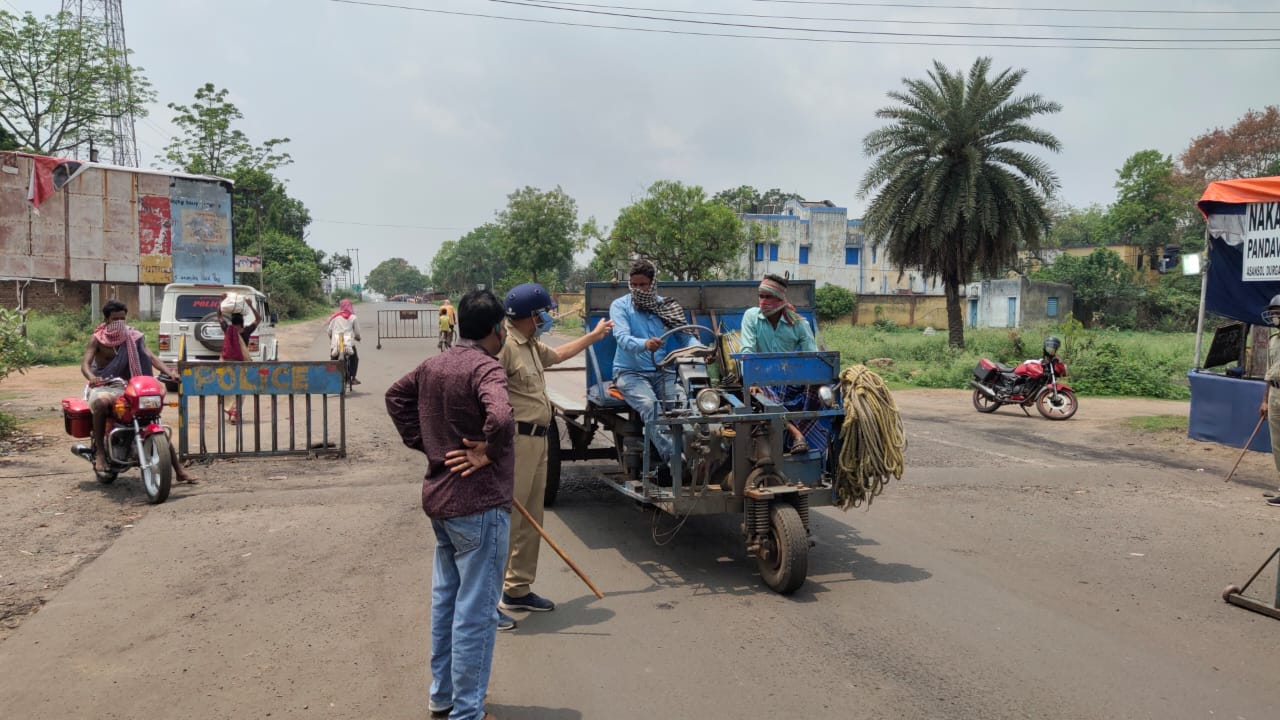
{"x": 1099, "y": 362}
{"x": 1159, "y": 423}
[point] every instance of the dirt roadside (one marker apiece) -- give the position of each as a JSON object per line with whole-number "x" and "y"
{"x": 54, "y": 515}
{"x": 55, "y": 518}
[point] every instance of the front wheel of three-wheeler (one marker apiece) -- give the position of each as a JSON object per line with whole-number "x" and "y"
{"x": 553, "y": 465}
{"x": 784, "y": 562}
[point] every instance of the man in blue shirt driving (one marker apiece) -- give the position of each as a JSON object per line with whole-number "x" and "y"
{"x": 639, "y": 320}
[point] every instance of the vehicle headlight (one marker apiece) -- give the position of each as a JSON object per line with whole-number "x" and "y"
{"x": 708, "y": 401}
{"x": 827, "y": 396}
{"x": 150, "y": 402}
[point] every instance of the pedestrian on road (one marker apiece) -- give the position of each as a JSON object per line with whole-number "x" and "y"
{"x": 455, "y": 410}
{"x": 524, "y": 358}
{"x": 1271, "y": 401}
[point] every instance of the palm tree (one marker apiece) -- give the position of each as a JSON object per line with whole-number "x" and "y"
{"x": 954, "y": 197}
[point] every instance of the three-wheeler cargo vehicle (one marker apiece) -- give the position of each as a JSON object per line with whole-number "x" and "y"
{"x": 728, "y": 433}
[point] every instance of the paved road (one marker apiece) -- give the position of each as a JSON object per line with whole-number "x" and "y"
{"x": 1022, "y": 569}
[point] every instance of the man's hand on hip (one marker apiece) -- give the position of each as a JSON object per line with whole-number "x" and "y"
{"x": 467, "y": 460}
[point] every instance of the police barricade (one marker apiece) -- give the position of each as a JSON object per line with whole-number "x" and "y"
{"x": 408, "y": 324}
{"x": 239, "y": 409}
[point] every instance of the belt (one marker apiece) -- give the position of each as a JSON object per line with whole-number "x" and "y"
{"x": 525, "y": 428}
{"x": 1274, "y": 384}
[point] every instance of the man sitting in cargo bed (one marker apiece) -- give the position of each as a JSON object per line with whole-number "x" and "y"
{"x": 117, "y": 351}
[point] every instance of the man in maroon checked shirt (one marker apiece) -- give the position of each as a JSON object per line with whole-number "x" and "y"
{"x": 454, "y": 408}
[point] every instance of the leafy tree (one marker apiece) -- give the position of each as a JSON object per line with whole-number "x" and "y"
{"x": 686, "y": 235}
{"x": 211, "y": 145}
{"x": 833, "y": 302}
{"x": 15, "y": 352}
{"x": 539, "y": 233}
{"x": 291, "y": 269}
{"x": 1149, "y": 204}
{"x": 56, "y": 77}
{"x": 1074, "y": 227}
{"x": 1103, "y": 286}
{"x": 746, "y": 199}
{"x": 1250, "y": 148}
{"x": 953, "y": 195}
{"x": 261, "y": 203}
{"x": 473, "y": 259}
{"x": 395, "y": 277}
{"x": 8, "y": 141}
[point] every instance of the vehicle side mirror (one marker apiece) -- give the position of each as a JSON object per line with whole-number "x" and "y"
{"x": 275, "y": 318}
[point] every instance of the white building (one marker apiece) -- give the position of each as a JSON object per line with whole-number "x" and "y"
{"x": 817, "y": 241}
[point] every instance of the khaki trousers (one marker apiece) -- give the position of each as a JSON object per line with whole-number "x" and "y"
{"x": 531, "y": 486}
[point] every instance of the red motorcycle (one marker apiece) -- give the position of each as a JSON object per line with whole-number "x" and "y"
{"x": 134, "y": 436}
{"x": 1034, "y": 382}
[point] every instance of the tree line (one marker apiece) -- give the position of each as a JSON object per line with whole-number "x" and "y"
{"x": 956, "y": 188}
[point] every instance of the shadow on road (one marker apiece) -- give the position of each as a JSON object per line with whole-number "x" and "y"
{"x": 706, "y": 552}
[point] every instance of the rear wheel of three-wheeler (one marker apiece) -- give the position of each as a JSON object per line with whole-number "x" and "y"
{"x": 784, "y": 562}
{"x": 553, "y": 464}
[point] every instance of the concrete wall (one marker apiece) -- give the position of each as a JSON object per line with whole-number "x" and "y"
{"x": 904, "y": 310}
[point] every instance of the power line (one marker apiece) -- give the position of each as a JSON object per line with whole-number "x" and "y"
{"x": 884, "y": 33}
{"x": 845, "y": 3}
{"x": 825, "y": 18}
{"x": 383, "y": 225}
{"x": 822, "y": 40}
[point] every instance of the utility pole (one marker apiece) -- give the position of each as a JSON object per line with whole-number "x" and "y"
{"x": 359, "y": 278}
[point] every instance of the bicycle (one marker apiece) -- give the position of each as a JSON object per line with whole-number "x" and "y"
{"x": 446, "y": 340}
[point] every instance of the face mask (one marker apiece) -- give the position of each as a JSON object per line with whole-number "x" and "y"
{"x": 545, "y": 321}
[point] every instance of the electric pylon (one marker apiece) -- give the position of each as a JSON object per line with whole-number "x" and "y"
{"x": 124, "y": 141}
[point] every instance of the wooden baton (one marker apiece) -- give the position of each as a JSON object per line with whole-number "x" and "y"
{"x": 1244, "y": 450}
{"x": 572, "y": 566}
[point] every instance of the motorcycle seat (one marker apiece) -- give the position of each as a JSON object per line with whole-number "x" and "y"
{"x": 1003, "y": 368}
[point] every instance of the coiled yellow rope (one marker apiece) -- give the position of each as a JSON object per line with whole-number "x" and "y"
{"x": 872, "y": 438}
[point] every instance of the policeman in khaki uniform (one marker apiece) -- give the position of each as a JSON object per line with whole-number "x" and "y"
{"x": 525, "y": 357}
{"x": 1271, "y": 396}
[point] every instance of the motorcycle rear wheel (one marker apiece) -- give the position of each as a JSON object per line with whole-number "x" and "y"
{"x": 1059, "y": 406}
{"x": 984, "y": 404}
{"x": 157, "y": 477}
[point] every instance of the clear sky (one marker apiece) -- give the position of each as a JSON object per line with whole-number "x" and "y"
{"x": 409, "y": 128}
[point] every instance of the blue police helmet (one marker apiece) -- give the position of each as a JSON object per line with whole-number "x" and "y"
{"x": 527, "y": 300}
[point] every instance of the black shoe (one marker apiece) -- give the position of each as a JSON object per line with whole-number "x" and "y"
{"x": 1275, "y": 501}
{"x": 505, "y": 622}
{"x": 533, "y": 602}
{"x": 441, "y": 714}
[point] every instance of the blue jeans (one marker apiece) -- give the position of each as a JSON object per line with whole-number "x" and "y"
{"x": 471, "y": 553}
{"x": 644, "y": 392}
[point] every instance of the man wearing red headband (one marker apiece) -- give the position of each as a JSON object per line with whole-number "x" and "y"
{"x": 775, "y": 326}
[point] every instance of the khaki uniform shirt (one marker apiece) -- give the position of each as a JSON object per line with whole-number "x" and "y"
{"x": 1273, "y": 358}
{"x": 524, "y": 360}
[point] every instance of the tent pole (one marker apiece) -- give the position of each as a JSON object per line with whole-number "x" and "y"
{"x": 1204, "y": 289}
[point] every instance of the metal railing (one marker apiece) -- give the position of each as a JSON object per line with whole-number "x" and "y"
{"x": 239, "y": 409}
{"x": 408, "y": 324}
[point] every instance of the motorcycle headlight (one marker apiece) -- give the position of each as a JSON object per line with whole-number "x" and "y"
{"x": 827, "y": 396}
{"x": 708, "y": 401}
{"x": 150, "y": 402}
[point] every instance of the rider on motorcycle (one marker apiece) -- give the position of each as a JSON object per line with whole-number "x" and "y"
{"x": 117, "y": 352}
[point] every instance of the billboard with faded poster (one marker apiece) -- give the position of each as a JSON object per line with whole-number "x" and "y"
{"x": 155, "y": 240}
{"x": 201, "y": 222}
{"x": 63, "y": 219}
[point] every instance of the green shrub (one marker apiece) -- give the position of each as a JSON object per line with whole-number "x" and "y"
{"x": 1100, "y": 362}
{"x": 833, "y": 302}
